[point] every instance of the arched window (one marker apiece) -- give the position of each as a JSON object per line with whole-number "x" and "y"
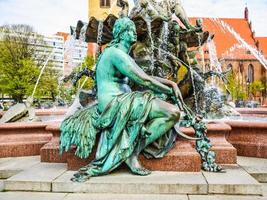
{"x": 250, "y": 73}
{"x": 241, "y": 67}
{"x": 230, "y": 66}
{"x": 105, "y": 3}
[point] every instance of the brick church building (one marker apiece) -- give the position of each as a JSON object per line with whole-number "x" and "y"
{"x": 231, "y": 35}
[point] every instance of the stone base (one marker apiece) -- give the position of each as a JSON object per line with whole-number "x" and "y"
{"x": 217, "y": 133}
{"x": 249, "y": 138}
{"x": 183, "y": 157}
{"x": 50, "y": 151}
{"x": 22, "y": 139}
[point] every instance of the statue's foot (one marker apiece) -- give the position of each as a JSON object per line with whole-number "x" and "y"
{"x": 80, "y": 177}
{"x": 136, "y": 167}
{"x": 140, "y": 171}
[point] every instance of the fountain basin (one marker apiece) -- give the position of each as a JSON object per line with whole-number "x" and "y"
{"x": 23, "y": 139}
{"x": 48, "y": 115}
{"x": 249, "y": 138}
{"x": 256, "y": 112}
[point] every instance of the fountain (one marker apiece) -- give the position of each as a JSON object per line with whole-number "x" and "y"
{"x": 24, "y": 112}
{"x": 171, "y": 57}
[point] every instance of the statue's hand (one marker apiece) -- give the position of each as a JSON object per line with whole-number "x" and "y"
{"x": 177, "y": 94}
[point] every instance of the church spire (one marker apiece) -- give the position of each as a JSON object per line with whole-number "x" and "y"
{"x": 246, "y": 13}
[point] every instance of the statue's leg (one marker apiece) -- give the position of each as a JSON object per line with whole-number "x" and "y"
{"x": 163, "y": 117}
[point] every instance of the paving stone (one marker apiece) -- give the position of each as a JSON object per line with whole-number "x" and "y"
{"x": 12, "y": 166}
{"x": 126, "y": 183}
{"x": 37, "y": 178}
{"x": 124, "y": 197}
{"x": 31, "y": 196}
{"x": 256, "y": 167}
{"x": 2, "y": 185}
{"x": 264, "y": 189}
{"x": 2, "y": 160}
{"x": 235, "y": 181}
{"x": 225, "y": 197}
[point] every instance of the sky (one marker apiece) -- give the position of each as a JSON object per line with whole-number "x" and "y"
{"x": 51, "y": 16}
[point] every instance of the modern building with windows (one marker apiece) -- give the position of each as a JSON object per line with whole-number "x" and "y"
{"x": 49, "y": 48}
{"x": 74, "y": 52}
{"x": 56, "y": 46}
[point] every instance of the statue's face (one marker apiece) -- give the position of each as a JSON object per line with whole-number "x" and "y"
{"x": 130, "y": 35}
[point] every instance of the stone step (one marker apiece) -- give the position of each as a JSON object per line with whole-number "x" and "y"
{"x": 45, "y": 177}
{"x": 37, "y": 178}
{"x": 32, "y": 196}
{"x": 2, "y": 186}
{"x": 234, "y": 181}
{"x": 123, "y": 182}
{"x": 225, "y": 197}
{"x": 11, "y": 166}
{"x": 64, "y": 196}
{"x": 256, "y": 167}
{"x": 125, "y": 197}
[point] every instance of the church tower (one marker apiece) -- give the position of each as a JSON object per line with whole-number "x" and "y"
{"x": 246, "y": 13}
{"x": 100, "y": 9}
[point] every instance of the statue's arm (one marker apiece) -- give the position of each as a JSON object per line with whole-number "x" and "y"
{"x": 176, "y": 90}
{"x": 127, "y": 66}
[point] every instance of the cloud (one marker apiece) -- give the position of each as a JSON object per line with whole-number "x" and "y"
{"x": 51, "y": 16}
{"x": 46, "y": 16}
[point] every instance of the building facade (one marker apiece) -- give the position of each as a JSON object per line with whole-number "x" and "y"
{"x": 74, "y": 52}
{"x": 100, "y": 9}
{"x": 238, "y": 48}
{"x": 49, "y": 48}
{"x": 235, "y": 44}
{"x": 56, "y": 44}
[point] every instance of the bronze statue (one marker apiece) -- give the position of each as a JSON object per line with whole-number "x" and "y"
{"x": 140, "y": 118}
{"x": 128, "y": 121}
{"x": 163, "y": 9}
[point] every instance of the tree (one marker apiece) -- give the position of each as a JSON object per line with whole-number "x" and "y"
{"x": 67, "y": 90}
{"x": 20, "y": 60}
{"x": 255, "y": 87}
{"x": 48, "y": 86}
{"x": 237, "y": 91}
{"x": 87, "y": 82}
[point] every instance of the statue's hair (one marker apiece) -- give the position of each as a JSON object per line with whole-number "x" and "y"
{"x": 121, "y": 25}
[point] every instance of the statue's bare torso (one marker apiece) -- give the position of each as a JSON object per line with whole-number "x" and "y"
{"x": 110, "y": 82}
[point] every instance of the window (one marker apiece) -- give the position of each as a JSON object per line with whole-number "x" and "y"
{"x": 241, "y": 67}
{"x": 105, "y": 3}
{"x": 230, "y": 66}
{"x": 250, "y": 73}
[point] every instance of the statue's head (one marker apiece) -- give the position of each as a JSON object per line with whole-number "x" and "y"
{"x": 124, "y": 29}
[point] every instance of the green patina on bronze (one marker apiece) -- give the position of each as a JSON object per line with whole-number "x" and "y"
{"x": 128, "y": 121}
{"x": 142, "y": 118}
